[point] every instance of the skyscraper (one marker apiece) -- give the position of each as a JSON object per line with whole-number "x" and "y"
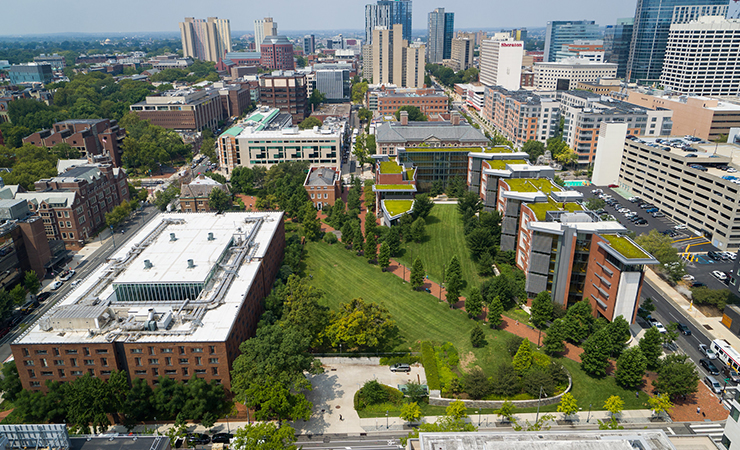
{"x": 439, "y": 41}
{"x": 262, "y": 29}
{"x": 309, "y": 44}
{"x": 653, "y": 19}
{"x": 387, "y": 13}
{"x": 207, "y": 40}
{"x": 394, "y": 61}
{"x": 617, "y": 39}
{"x": 560, "y": 33}
{"x": 501, "y": 63}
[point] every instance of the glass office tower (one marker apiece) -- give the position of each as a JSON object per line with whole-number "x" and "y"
{"x": 387, "y": 13}
{"x": 560, "y": 33}
{"x": 617, "y": 40}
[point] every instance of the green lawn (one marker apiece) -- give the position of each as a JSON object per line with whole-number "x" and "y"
{"x": 445, "y": 239}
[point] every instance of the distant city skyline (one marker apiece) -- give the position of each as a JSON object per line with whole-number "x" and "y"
{"x": 87, "y": 16}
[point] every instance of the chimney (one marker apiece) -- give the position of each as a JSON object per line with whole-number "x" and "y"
{"x": 455, "y": 118}
{"x": 210, "y": 236}
{"x": 404, "y": 117}
{"x": 172, "y": 237}
{"x": 191, "y": 265}
{"x": 147, "y": 264}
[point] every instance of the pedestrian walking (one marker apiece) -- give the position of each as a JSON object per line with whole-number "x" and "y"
{"x": 698, "y": 410}
{"x": 340, "y": 417}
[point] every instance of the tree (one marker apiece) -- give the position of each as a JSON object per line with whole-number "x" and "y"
{"x": 566, "y": 156}
{"x": 614, "y": 404}
{"x": 384, "y": 256}
{"x": 661, "y": 247}
{"x": 568, "y": 405}
{"x": 595, "y": 356}
{"x": 631, "y": 367}
{"x": 361, "y": 151}
{"x": 31, "y": 282}
{"x": 361, "y": 325}
{"x": 18, "y": 294}
{"x": 11, "y": 383}
{"x": 542, "y": 309}
{"x": 265, "y": 436}
{"x": 444, "y": 424}
{"x": 619, "y": 333}
{"x": 553, "y": 340}
{"x": 670, "y": 335}
{"x": 393, "y": 238}
{"x": 311, "y": 225}
{"x": 422, "y": 206}
{"x": 417, "y": 274}
{"x": 364, "y": 114}
{"x": 137, "y": 406}
{"x": 410, "y": 412}
{"x": 274, "y": 400}
{"x": 485, "y": 264}
{"x": 348, "y": 233}
{"x": 316, "y": 98}
{"x": 415, "y": 392}
{"x": 534, "y": 149}
{"x": 495, "y": 310}
{"x": 474, "y": 303}
{"x": 506, "y": 411}
{"x": 371, "y": 246}
{"x": 595, "y": 204}
{"x": 523, "y": 358}
{"x": 456, "y": 410}
{"x": 650, "y": 345}
{"x": 677, "y": 376}
{"x": 578, "y": 321}
{"x": 646, "y": 308}
{"x": 415, "y": 114}
{"x": 477, "y": 337}
{"x": 477, "y": 384}
{"x": 310, "y": 122}
{"x": 453, "y": 281}
{"x": 418, "y": 230}
{"x": 660, "y": 404}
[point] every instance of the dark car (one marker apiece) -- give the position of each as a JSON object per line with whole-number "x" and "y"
{"x": 684, "y": 329}
{"x": 697, "y": 284}
{"x": 198, "y": 438}
{"x": 43, "y": 296}
{"x": 709, "y": 366}
{"x": 222, "y": 438}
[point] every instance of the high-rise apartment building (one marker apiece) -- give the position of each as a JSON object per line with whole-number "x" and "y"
{"x": 701, "y": 57}
{"x": 441, "y": 27}
{"x": 617, "y": 39}
{"x": 277, "y": 53}
{"x": 501, "y": 63}
{"x": 653, "y": 19}
{"x": 386, "y": 13}
{"x": 207, "y": 40}
{"x": 262, "y": 29}
{"x": 286, "y": 91}
{"x": 518, "y": 34}
{"x": 394, "y": 61}
{"x": 309, "y": 44}
{"x": 462, "y": 52}
{"x": 560, "y": 33}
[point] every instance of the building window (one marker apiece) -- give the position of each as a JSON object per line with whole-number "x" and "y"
{"x": 28, "y": 362}
{"x": 58, "y": 362}
{"x": 214, "y": 370}
{"x": 197, "y": 350}
{"x": 25, "y": 352}
{"x": 85, "y": 351}
{"x": 168, "y": 361}
{"x": 184, "y": 371}
{"x": 35, "y": 384}
{"x": 45, "y": 373}
{"x": 198, "y": 361}
{"x": 137, "y": 361}
{"x": 101, "y": 351}
{"x": 151, "y": 350}
{"x": 213, "y": 360}
{"x": 61, "y": 373}
{"x": 31, "y": 373}
{"x": 55, "y": 351}
{"x": 200, "y": 371}
{"x": 140, "y": 372}
{"x": 136, "y": 350}
{"x": 212, "y": 349}
{"x": 184, "y": 361}
{"x": 153, "y": 361}
{"x": 89, "y": 362}
{"x": 155, "y": 372}
{"x": 166, "y": 350}
{"x": 73, "y": 361}
{"x": 104, "y": 362}
{"x": 182, "y": 350}
{"x": 41, "y": 352}
{"x": 43, "y": 362}
{"x": 77, "y": 373}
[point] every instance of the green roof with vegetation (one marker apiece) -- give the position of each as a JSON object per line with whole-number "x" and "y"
{"x": 390, "y": 167}
{"x": 500, "y": 164}
{"x": 498, "y": 150}
{"x": 396, "y": 207}
{"x": 394, "y": 187}
{"x": 624, "y": 246}
{"x": 532, "y": 185}
{"x": 540, "y": 209}
{"x": 410, "y": 174}
{"x": 443, "y": 149}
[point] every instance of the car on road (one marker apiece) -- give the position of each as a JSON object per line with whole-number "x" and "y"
{"x": 706, "y": 351}
{"x": 400, "y": 368}
{"x": 684, "y": 329}
{"x": 198, "y": 438}
{"x": 75, "y": 282}
{"x": 709, "y": 366}
{"x": 222, "y": 438}
{"x": 56, "y": 285}
{"x": 721, "y": 276}
{"x": 713, "y": 384}
{"x": 43, "y": 296}
{"x": 731, "y": 374}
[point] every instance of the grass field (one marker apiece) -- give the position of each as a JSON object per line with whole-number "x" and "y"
{"x": 445, "y": 239}
{"x": 419, "y": 316}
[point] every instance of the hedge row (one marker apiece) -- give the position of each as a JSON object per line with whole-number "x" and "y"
{"x": 402, "y": 359}
{"x": 429, "y": 360}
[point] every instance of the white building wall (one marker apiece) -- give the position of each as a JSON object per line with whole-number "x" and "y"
{"x": 629, "y": 288}
{"x": 609, "y": 150}
{"x": 501, "y": 63}
{"x": 732, "y": 428}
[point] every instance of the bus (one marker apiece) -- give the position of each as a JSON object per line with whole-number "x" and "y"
{"x": 726, "y": 354}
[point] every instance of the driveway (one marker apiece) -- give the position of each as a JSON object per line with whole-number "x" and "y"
{"x": 334, "y": 391}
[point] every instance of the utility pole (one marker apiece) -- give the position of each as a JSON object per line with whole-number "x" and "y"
{"x": 537, "y": 417}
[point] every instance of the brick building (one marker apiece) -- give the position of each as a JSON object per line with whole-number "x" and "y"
{"x": 194, "y": 195}
{"x": 93, "y": 138}
{"x": 323, "y": 186}
{"x": 277, "y": 53}
{"x": 286, "y": 91}
{"x": 235, "y": 99}
{"x": 385, "y": 101}
{"x": 185, "y": 109}
{"x": 175, "y": 301}
{"x": 73, "y": 204}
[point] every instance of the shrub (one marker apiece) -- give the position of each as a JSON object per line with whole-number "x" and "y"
{"x": 513, "y": 342}
{"x": 374, "y": 393}
{"x": 477, "y": 384}
{"x": 540, "y": 360}
{"x": 403, "y": 359}
{"x": 429, "y": 360}
{"x": 330, "y": 238}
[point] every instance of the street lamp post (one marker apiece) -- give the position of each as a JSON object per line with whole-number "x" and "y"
{"x": 386, "y": 420}
{"x": 249, "y": 421}
{"x": 156, "y": 429}
{"x": 589, "y": 413}
{"x": 479, "y": 412}
{"x": 537, "y": 417}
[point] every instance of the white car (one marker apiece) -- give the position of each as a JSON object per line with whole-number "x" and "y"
{"x": 56, "y": 285}
{"x": 721, "y": 276}
{"x": 688, "y": 277}
{"x": 732, "y": 170}
{"x": 706, "y": 351}
{"x": 75, "y": 282}
{"x": 659, "y": 326}
{"x": 679, "y": 227}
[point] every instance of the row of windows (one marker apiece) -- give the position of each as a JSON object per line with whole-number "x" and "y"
{"x": 168, "y": 361}
{"x": 181, "y": 349}
{"x": 55, "y": 351}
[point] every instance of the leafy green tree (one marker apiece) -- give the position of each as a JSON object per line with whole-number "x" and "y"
{"x": 578, "y": 321}
{"x": 393, "y": 238}
{"x": 534, "y": 149}
{"x": 422, "y": 206}
{"x": 614, "y": 404}
{"x": 417, "y": 274}
{"x": 444, "y": 424}
{"x": 474, "y": 303}
{"x": 477, "y": 384}
{"x": 595, "y": 356}
{"x": 485, "y": 264}
{"x": 416, "y": 392}
{"x": 631, "y": 367}
{"x": 453, "y": 281}
{"x": 495, "y": 310}
{"x": 506, "y": 411}
{"x": 358, "y": 92}
{"x": 542, "y": 309}
{"x": 595, "y": 204}
{"x": 480, "y": 242}
{"x": 311, "y": 225}
{"x": 568, "y": 405}
{"x": 138, "y": 406}
{"x": 272, "y": 399}
{"x": 163, "y": 198}
{"x": 384, "y": 256}
{"x": 619, "y": 333}
{"x": 302, "y": 309}
{"x": 359, "y": 241}
{"x": 364, "y": 114}
{"x": 18, "y": 293}
{"x": 309, "y": 123}
{"x": 456, "y": 410}
{"x": 219, "y": 200}
{"x": 410, "y": 412}
{"x": 505, "y": 380}
{"x": 418, "y": 230}
{"x": 415, "y": 114}
{"x": 265, "y": 436}
{"x": 660, "y": 404}
{"x": 361, "y": 325}
{"x": 348, "y": 233}
{"x": 553, "y": 340}
{"x": 31, "y": 282}
{"x": 677, "y": 376}
{"x": 11, "y": 383}
{"x": 651, "y": 348}
{"x": 523, "y": 358}
{"x": 371, "y": 247}
{"x": 661, "y": 247}
{"x": 477, "y": 337}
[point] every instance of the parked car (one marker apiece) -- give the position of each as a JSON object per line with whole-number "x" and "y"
{"x": 660, "y": 327}
{"x": 713, "y": 384}
{"x": 706, "y": 351}
{"x": 56, "y": 285}
{"x": 43, "y": 296}
{"x": 400, "y": 368}
{"x": 222, "y": 438}
{"x": 721, "y": 276}
{"x": 688, "y": 277}
{"x": 679, "y": 227}
{"x": 658, "y": 214}
{"x": 684, "y": 329}
{"x": 198, "y": 438}
{"x": 697, "y": 284}
{"x": 709, "y": 366}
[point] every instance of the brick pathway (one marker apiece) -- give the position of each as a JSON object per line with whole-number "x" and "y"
{"x": 685, "y": 410}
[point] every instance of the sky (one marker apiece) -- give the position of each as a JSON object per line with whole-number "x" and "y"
{"x": 100, "y": 16}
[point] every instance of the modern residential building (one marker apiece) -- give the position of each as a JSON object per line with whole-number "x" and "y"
{"x": 617, "y": 40}
{"x": 57, "y": 62}
{"x": 463, "y": 50}
{"x": 194, "y": 195}
{"x": 267, "y": 137}
{"x": 693, "y": 190}
{"x": 568, "y": 251}
{"x": 176, "y": 301}
{"x": 701, "y": 57}
{"x": 183, "y": 109}
{"x": 473, "y": 94}
{"x": 384, "y": 101}
{"x": 23, "y": 244}
{"x": 309, "y": 44}
{"x": 501, "y": 63}
{"x": 262, "y": 29}
{"x": 73, "y": 204}
{"x": 386, "y": 13}
{"x": 704, "y": 117}
{"x": 550, "y": 76}
{"x": 367, "y": 62}
{"x": 277, "y": 53}
{"x": 287, "y": 91}
{"x": 653, "y": 19}
{"x": 394, "y": 61}
{"x": 559, "y": 33}
{"x": 583, "y": 112}
{"x": 518, "y": 34}
{"x": 207, "y": 40}
{"x": 30, "y": 73}
{"x": 323, "y": 186}
{"x": 97, "y": 140}
{"x": 395, "y": 188}
{"x": 592, "y": 50}
{"x": 440, "y": 30}
{"x": 521, "y": 115}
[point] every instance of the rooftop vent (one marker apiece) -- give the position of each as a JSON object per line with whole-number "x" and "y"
{"x": 191, "y": 264}
{"x": 210, "y": 237}
{"x": 147, "y": 264}
{"x": 172, "y": 237}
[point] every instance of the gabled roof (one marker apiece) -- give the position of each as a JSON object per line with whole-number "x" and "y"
{"x": 201, "y": 187}
{"x": 321, "y": 176}
{"x": 423, "y": 131}
{"x": 64, "y": 198}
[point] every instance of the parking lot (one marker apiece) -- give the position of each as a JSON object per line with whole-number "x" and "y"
{"x": 698, "y": 265}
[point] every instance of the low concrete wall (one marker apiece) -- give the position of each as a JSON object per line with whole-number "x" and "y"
{"x": 359, "y": 361}
{"x": 496, "y": 404}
